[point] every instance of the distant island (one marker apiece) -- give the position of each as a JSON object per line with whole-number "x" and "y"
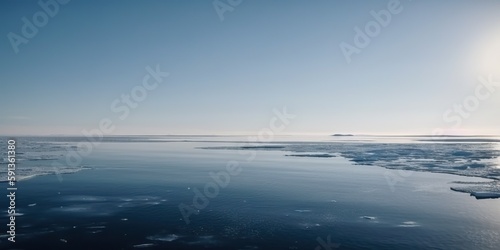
{"x": 342, "y": 135}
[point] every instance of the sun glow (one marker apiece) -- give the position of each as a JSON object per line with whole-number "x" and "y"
{"x": 488, "y": 57}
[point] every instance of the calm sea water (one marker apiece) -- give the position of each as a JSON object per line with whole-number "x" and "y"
{"x": 130, "y": 199}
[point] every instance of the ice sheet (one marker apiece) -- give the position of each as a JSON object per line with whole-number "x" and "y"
{"x": 39, "y": 156}
{"x": 467, "y": 159}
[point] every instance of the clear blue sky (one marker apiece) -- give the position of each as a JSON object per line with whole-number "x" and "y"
{"x": 227, "y": 76}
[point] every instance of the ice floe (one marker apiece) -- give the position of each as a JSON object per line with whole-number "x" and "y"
{"x": 409, "y": 224}
{"x": 480, "y": 190}
{"x": 145, "y": 245}
{"x": 477, "y": 158}
{"x": 302, "y": 211}
{"x": 40, "y": 156}
{"x": 163, "y": 237}
{"x": 312, "y": 155}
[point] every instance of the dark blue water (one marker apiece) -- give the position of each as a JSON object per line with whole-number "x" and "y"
{"x": 130, "y": 200}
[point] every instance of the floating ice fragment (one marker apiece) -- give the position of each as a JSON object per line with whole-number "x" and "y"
{"x": 162, "y": 237}
{"x": 480, "y": 190}
{"x": 14, "y": 214}
{"x": 312, "y": 155}
{"x": 302, "y": 210}
{"x": 485, "y": 195}
{"x": 409, "y": 224}
{"x": 144, "y": 245}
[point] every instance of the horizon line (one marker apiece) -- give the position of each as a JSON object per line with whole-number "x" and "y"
{"x": 235, "y": 135}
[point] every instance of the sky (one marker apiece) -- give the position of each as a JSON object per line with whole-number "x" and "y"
{"x": 231, "y": 64}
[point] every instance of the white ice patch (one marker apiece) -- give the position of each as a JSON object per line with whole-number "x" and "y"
{"x": 145, "y": 245}
{"x": 40, "y": 156}
{"x": 303, "y": 211}
{"x": 14, "y": 214}
{"x": 309, "y": 225}
{"x": 480, "y": 190}
{"x": 163, "y": 237}
{"x": 409, "y": 224}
